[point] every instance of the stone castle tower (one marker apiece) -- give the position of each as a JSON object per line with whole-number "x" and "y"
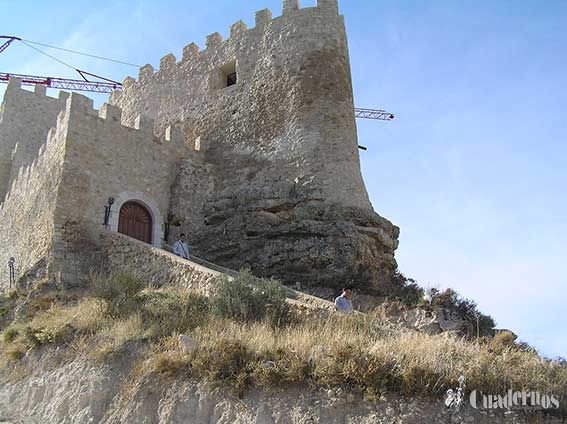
{"x": 248, "y": 146}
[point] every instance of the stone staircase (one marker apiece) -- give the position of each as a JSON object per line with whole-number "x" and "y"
{"x": 162, "y": 268}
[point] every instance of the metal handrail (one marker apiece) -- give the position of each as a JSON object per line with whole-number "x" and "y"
{"x": 204, "y": 262}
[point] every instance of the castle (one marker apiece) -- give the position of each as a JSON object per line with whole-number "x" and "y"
{"x": 248, "y": 146}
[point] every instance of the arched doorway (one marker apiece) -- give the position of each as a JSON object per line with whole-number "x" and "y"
{"x": 146, "y": 202}
{"x": 135, "y": 221}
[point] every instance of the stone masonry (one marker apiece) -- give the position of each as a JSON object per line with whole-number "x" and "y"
{"x": 264, "y": 173}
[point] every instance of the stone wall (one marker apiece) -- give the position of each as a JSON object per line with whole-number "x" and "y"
{"x": 53, "y": 214}
{"x": 122, "y": 254}
{"x": 25, "y": 119}
{"x": 286, "y": 196}
{"x": 108, "y": 160}
{"x": 26, "y": 215}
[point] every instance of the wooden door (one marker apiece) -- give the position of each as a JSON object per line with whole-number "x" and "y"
{"x": 135, "y": 221}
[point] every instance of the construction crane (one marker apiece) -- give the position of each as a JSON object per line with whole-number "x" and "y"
{"x": 65, "y": 84}
{"x": 382, "y": 115}
{"x": 9, "y": 40}
{"x": 108, "y": 85}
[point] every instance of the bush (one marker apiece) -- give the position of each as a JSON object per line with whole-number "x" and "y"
{"x": 119, "y": 291}
{"x": 170, "y": 312}
{"x": 250, "y": 299}
{"x": 162, "y": 312}
{"x": 6, "y": 306}
{"x": 16, "y": 351}
{"x": 10, "y": 334}
{"x": 53, "y": 335}
{"x": 451, "y": 301}
{"x": 503, "y": 341}
{"x": 227, "y": 362}
{"x": 406, "y": 290}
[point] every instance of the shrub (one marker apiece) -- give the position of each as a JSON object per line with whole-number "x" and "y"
{"x": 14, "y": 294}
{"x": 6, "y": 306}
{"x": 249, "y": 299}
{"x": 502, "y": 341}
{"x": 280, "y": 366}
{"x": 10, "y": 334}
{"x": 167, "y": 358}
{"x": 119, "y": 291}
{"x": 114, "y": 337}
{"x": 227, "y": 362}
{"x": 451, "y": 301}
{"x": 16, "y": 351}
{"x": 401, "y": 288}
{"x": 406, "y": 289}
{"x": 172, "y": 312}
{"x": 53, "y": 335}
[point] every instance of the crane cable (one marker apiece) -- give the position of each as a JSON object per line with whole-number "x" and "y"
{"x": 48, "y": 55}
{"x": 81, "y": 73}
{"x": 28, "y": 42}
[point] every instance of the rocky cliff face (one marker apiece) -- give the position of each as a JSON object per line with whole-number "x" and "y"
{"x": 295, "y": 237}
{"x": 52, "y": 389}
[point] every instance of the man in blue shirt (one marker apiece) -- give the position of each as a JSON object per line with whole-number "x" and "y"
{"x": 180, "y": 247}
{"x": 343, "y": 302}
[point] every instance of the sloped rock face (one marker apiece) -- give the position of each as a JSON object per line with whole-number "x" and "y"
{"x": 292, "y": 235}
{"x": 80, "y": 392}
{"x": 431, "y": 321}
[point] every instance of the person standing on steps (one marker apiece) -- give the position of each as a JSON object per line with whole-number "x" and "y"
{"x": 180, "y": 247}
{"x": 343, "y": 303}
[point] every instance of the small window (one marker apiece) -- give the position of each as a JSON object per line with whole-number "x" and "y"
{"x": 228, "y": 74}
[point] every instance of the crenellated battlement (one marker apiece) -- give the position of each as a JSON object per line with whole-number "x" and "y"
{"x": 79, "y": 107}
{"x": 14, "y": 88}
{"x": 263, "y": 18}
{"x": 215, "y": 44}
{"x": 290, "y": 6}
{"x": 74, "y": 109}
{"x": 237, "y": 29}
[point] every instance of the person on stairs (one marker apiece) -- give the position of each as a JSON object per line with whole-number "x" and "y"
{"x": 180, "y": 247}
{"x": 343, "y": 303}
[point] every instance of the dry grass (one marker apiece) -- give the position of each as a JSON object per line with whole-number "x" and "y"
{"x": 357, "y": 352}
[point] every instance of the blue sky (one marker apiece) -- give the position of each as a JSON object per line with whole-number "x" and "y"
{"x": 472, "y": 169}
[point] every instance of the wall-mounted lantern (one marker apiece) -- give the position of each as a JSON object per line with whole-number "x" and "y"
{"x": 11, "y": 267}
{"x": 107, "y": 210}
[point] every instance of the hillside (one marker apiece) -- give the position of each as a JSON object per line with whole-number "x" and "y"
{"x": 121, "y": 351}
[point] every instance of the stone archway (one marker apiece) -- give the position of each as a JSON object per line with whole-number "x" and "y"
{"x": 140, "y": 199}
{"x": 135, "y": 220}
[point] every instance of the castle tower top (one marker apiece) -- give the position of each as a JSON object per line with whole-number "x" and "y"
{"x": 331, "y": 5}
{"x": 290, "y": 5}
